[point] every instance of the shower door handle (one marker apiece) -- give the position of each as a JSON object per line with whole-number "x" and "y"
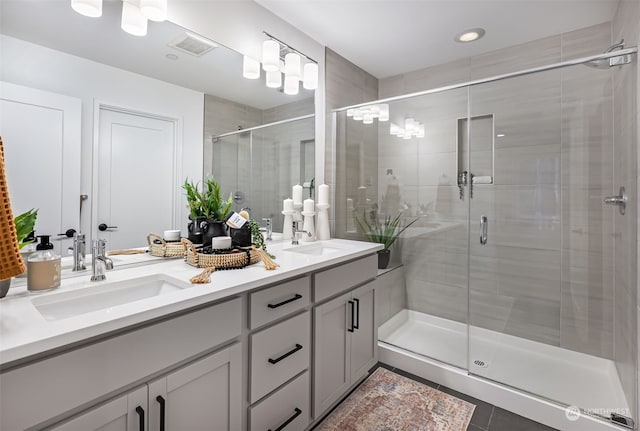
{"x": 483, "y": 230}
{"x": 620, "y": 200}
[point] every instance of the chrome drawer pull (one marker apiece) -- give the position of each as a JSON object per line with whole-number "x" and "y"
{"x": 280, "y": 304}
{"x": 297, "y": 413}
{"x": 276, "y": 360}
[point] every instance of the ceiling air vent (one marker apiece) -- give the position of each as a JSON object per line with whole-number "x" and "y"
{"x": 192, "y": 44}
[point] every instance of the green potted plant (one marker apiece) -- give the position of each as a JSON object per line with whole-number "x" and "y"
{"x": 196, "y": 211}
{"x": 207, "y": 210}
{"x": 25, "y": 223}
{"x": 385, "y": 233}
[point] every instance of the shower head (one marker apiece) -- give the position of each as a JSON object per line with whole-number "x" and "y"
{"x": 605, "y": 63}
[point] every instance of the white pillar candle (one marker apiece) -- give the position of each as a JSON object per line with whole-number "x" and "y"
{"x": 287, "y": 204}
{"x": 297, "y": 194}
{"x": 308, "y": 206}
{"x": 323, "y": 194}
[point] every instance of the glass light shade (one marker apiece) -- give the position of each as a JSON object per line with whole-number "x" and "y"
{"x": 133, "y": 22}
{"x": 274, "y": 79}
{"x": 250, "y": 68}
{"x": 270, "y": 55}
{"x": 394, "y": 129}
{"x": 357, "y": 115}
{"x": 407, "y": 134}
{"x": 420, "y": 133}
{"x": 90, "y": 8}
{"x": 367, "y": 118}
{"x": 291, "y": 85}
{"x": 375, "y": 111}
{"x": 310, "y": 81}
{"x": 384, "y": 112}
{"x": 292, "y": 65}
{"x": 155, "y": 10}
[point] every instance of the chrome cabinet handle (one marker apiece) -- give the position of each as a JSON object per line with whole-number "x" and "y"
{"x": 483, "y": 230}
{"x": 620, "y": 200}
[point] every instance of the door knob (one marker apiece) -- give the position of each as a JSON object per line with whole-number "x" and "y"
{"x": 103, "y": 227}
{"x": 620, "y": 200}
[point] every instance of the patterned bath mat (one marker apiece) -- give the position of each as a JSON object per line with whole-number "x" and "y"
{"x": 386, "y": 401}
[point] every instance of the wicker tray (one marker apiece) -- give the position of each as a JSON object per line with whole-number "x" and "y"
{"x": 233, "y": 259}
{"x": 164, "y": 249}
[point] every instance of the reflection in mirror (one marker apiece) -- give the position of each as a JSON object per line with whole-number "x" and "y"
{"x": 147, "y": 104}
{"x": 263, "y": 163}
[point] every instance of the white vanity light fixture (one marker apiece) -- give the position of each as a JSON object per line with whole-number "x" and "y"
{"x": 270, "y": 55}
{"x": 274, "y": 79}
{"x": 292, "y": 66}
{"x": 155, "y": 10}
{"x": 291, "y": 85}
{"x": 310, "y": 79}
{"x": 133, "y": 21}
{"x": 90, "y": 8}
{"x": 394, "y": 129}
{"x": 250, "y": 68}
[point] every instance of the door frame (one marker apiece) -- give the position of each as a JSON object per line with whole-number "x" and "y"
{"x": 71, "y": 107}
{"x": 176, "y": 173}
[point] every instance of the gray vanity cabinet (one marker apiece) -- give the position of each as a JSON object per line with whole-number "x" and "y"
{"x": 205, "y": 394}
{"x": 116, "y": 415}
{"x": 344, "y": 331}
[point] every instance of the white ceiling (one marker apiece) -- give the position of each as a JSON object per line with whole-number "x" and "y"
{"x": 55, "y": 25}
{"x": 389, "y": 37}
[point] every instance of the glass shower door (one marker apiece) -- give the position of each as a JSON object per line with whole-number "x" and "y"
{"x": 421, "y": 177}
{"x": 550, "y": 296}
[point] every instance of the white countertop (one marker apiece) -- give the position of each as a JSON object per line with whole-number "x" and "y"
{"x": 24, "y": 332}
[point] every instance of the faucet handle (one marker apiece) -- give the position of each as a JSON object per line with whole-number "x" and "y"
{"x": 267, "y": 221}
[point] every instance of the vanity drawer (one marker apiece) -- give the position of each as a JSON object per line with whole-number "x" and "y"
{"x": 274, "y": 302}
{"x": 292, "y": 401}
{"x": 336, "y": 280}
{"x": 279, "y": 353}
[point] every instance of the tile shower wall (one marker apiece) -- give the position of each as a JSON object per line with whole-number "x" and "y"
{"x": 550, "y": 278}
{"x": 356, "y": 166}
{"x": 626, "y": 25}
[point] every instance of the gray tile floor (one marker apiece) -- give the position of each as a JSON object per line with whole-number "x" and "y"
{"x": 486, "y": 417}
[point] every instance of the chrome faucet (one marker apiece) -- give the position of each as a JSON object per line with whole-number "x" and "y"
{"x": 79, "y": 252}
{"x": 100, "y": 263}
{"x": 268, "y": 229}
{"x": 296, "y": 231}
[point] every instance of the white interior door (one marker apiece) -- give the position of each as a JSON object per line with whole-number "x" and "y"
{"x": 41, "y": 135}
{"x": 136, "y": 177}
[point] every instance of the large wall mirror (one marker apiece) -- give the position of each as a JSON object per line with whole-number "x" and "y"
{"x": 101, "y": 127}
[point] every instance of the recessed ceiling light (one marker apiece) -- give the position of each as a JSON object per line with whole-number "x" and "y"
{"x": 171, "y": 56}
{"x": 470, "y": 35}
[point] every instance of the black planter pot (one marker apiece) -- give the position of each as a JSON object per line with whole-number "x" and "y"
{"x": 195, "y": 231}
{"x": 383, "y": 258}
{"x": 211, "y": 229}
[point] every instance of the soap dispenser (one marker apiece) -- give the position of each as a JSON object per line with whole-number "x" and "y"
{"x": 43, "y": 267}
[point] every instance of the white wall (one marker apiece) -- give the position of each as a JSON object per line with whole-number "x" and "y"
{"x": 38, "y": 67}
{"x": 238, "y": 24}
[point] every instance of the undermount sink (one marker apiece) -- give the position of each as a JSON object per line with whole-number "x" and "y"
{"x": 314, "y": 249}
{"x": 56, "y": 306}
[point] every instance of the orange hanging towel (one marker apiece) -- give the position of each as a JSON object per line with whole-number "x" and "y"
{"x": 11, "y": 263}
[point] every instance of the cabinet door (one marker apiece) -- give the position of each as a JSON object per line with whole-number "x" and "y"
{"x": 331, "y": 342}
{"x": 125, "y": 413}
{"x": 204, "y": 395}
{"x": 364, "y": 347}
